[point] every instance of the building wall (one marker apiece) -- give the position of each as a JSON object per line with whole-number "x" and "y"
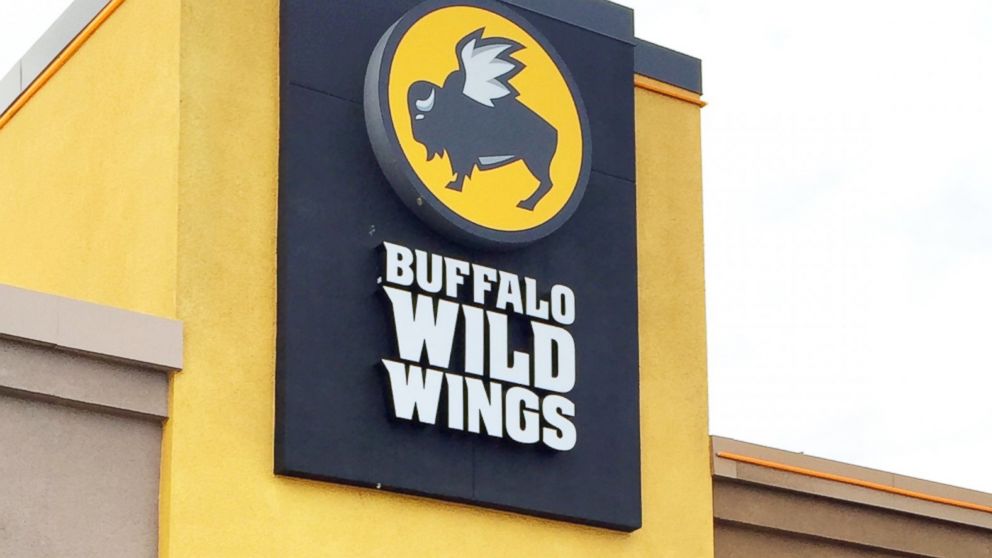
{"x": 742, "y": 541}
{"x": 83, "y": 393}
{"x": 221, "y": 496}
{"x": 159, "y": 195}
{"x": 76, "y": 482}
{"x": 674, "y": 409}
{"x": 88, "y": 173}
{"x": 88, "y": 183}
{"x": 755, "y": 521}
{"x": 787, "y": 504}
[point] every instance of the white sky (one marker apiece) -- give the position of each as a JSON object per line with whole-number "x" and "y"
{"x": 21, "y": 23}
{"x": 848, "y": 203}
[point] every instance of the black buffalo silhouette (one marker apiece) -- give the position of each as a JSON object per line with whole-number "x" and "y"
{"x": 476, "y": 118}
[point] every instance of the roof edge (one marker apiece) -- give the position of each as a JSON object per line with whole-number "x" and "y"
{"x": 59, "y": 42}
{"x": 94, "y": 329}
{"x": 669, "y": 66}
{"x": 76, "y": 17}
{"x": 738, "y": 461}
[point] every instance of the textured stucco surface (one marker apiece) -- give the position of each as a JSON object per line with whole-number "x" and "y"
{"x": 89, "y": 183}
{"x": 76, "y": 483}
{"x": 48, "y": 372}
{"x": 88, "y": 173}
{"x": 674, "y": 413}
{"x": 755, "y": 520}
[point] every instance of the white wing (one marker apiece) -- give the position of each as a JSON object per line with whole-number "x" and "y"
{"x": 483, "y": 67}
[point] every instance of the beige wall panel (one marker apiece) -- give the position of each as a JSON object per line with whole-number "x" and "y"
{"x": 85, "y": 381}
{"x": 736, "y": 541}
{"x": 843, "y": 521}
{"x": 76, "y": 483}
{"x": 756, "y": 474}
{"x": 92, "y": 328}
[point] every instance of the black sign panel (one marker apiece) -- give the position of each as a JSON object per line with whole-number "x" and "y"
{"x": 336, "y": 413}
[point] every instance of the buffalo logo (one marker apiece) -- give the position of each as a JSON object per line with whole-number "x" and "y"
{"x": 480, "y": 93}
{"x": 477, "y": 123}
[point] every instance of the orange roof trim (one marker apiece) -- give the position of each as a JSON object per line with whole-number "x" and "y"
{"x": 662, "y": 88}
{"x": 71, "y": 49}
{"x": 852, "y": 481}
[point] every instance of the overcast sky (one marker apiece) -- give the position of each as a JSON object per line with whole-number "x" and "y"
{"x": 848, "y": 203}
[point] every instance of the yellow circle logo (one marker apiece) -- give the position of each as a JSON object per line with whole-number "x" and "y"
{"x": 477, "y": 123}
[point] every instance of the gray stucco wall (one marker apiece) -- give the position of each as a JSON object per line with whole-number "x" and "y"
{"x": 76, "y": 482}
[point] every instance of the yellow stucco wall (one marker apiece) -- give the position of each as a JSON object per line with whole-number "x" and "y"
{"x": 88, "y": 176}
{"x": 222, "y": 498}
{"x": 674, "y": 411}
{"x": 159, "y": 194}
